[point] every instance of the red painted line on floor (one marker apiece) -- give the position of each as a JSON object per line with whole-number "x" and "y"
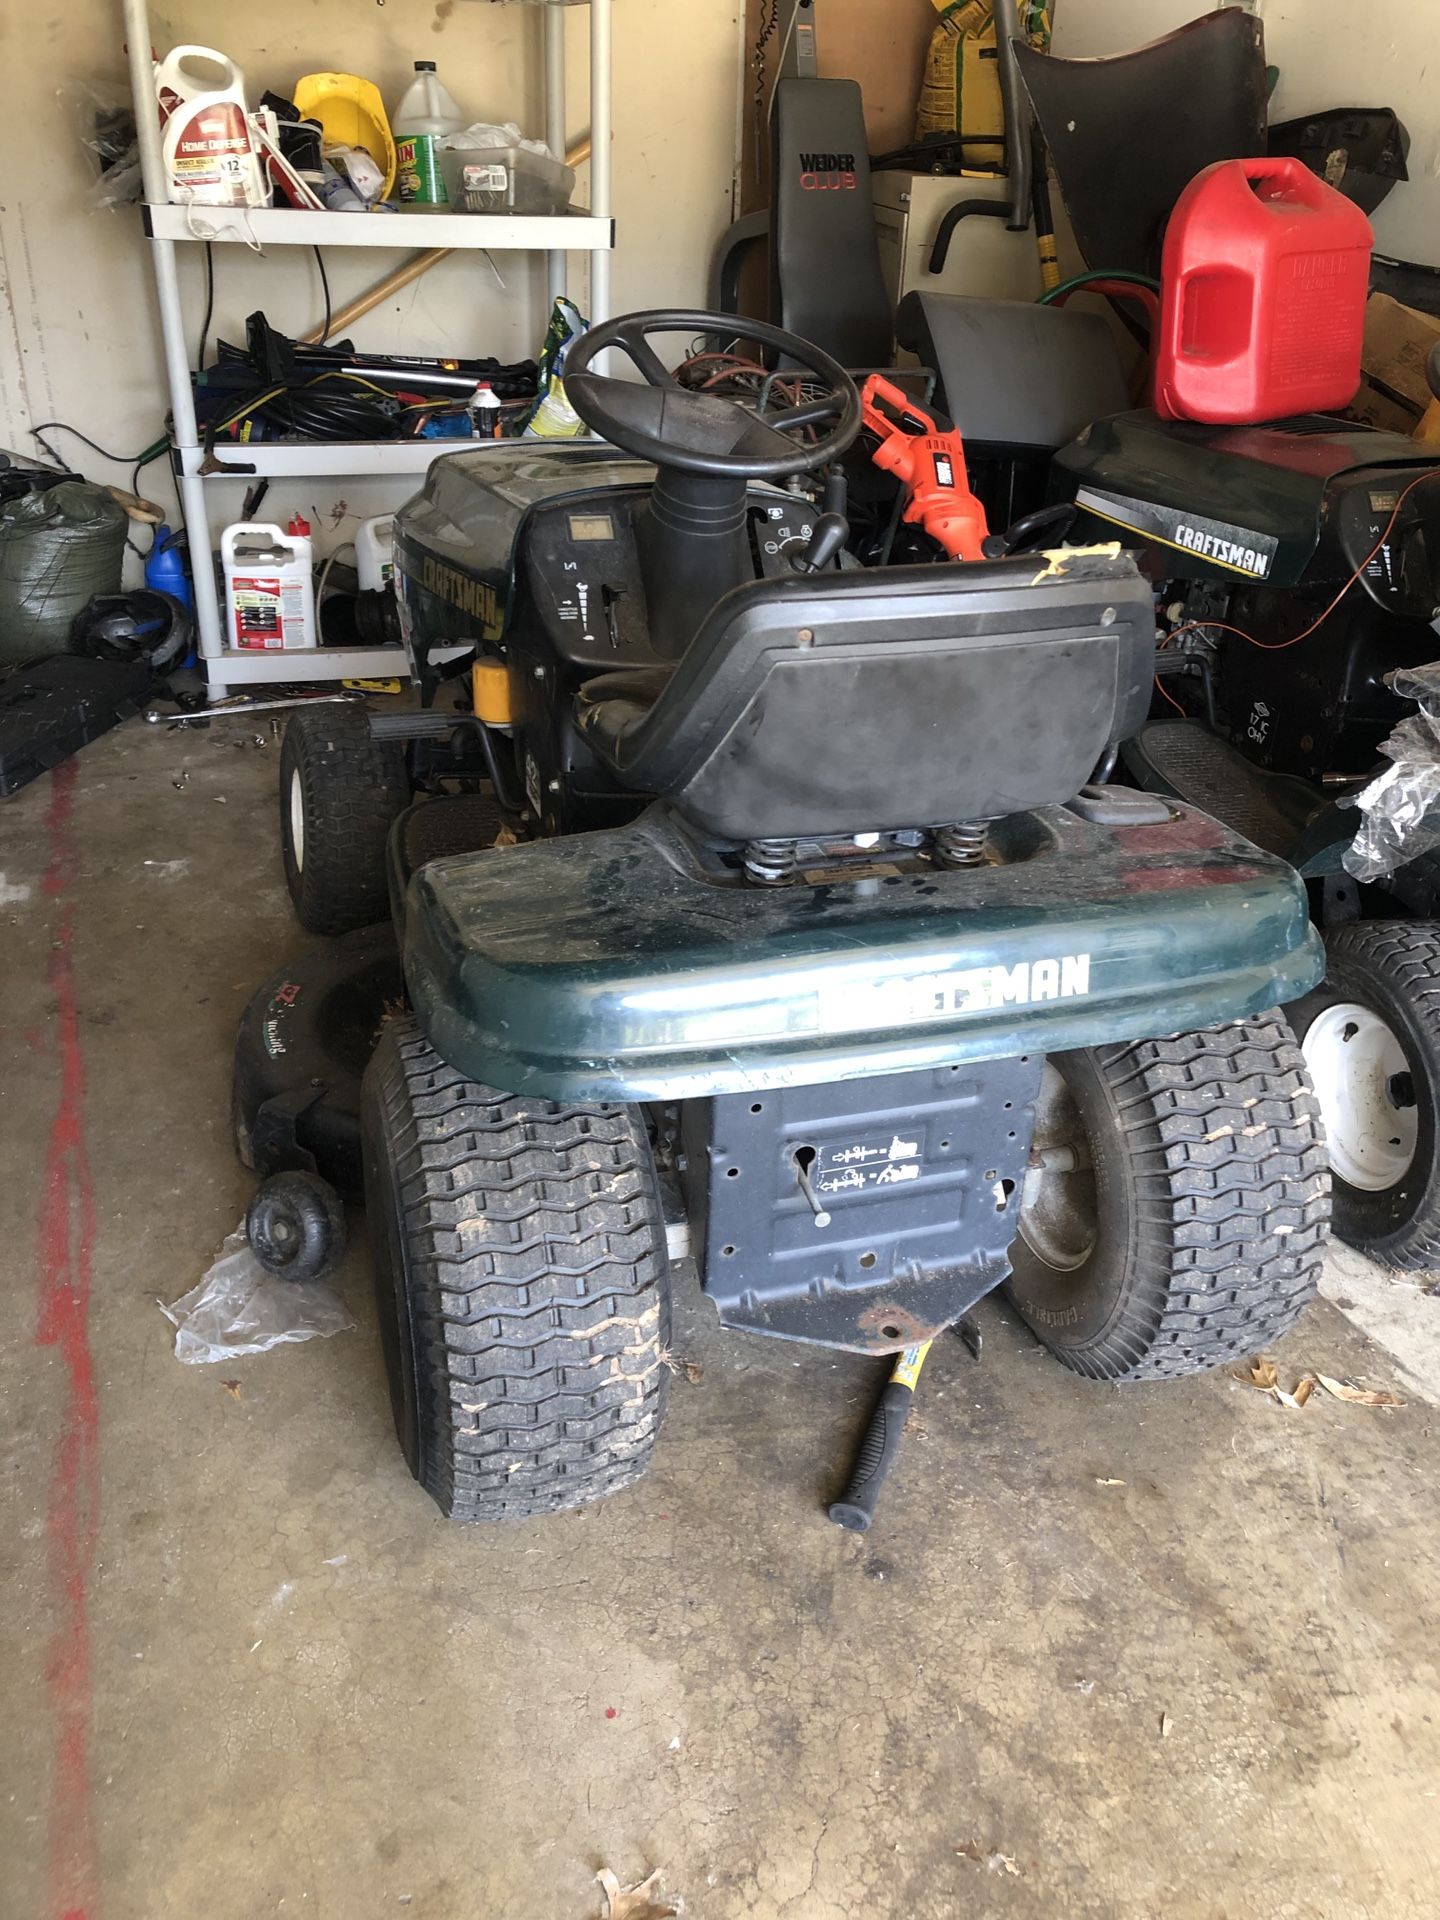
{"x": 64, "y": 1256}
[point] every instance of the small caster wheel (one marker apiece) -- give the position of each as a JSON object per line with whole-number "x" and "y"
{"x": 296, "y": 1226}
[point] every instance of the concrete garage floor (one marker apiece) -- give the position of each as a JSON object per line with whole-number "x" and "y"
{"x": 248, "y": 1670}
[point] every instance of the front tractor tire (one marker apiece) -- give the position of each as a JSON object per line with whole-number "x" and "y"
{"x": 1370, "y": 1033}
{"x": 340, "y": 793}
{"x": 1177, "y": 1218}
{"x": 522, "y": 1281}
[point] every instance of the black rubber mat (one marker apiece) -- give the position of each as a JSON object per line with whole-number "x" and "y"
{"x": 1268, "y": 808}
{"x": 49, "y": 709}
{"x": 453, "y": 823}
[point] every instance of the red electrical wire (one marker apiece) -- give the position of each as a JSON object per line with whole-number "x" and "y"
{"x": 1160, "y": 689}
{"x": 1278, "y": 646}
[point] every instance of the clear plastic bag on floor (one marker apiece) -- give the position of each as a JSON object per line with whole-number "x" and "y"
{"x": 239, "y": 1308}
{"x": 1401, "y": 806}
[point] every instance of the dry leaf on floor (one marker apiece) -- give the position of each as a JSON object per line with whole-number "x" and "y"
{"x": 1358, "y": 1396}
{"x": 645, "y": 1902}
{"x": 232, "y": 1387}
{"x": 691, "y": 1369}
{"x": 1261, "y": 1374}
{"x": 995, "y": 1862}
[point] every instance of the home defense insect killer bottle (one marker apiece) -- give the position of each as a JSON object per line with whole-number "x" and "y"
{"x": 210, "y": 155}
{"x": 424, "y": 116}
{"x": 269, "y": 586}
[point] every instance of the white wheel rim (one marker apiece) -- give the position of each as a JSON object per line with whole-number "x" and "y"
{"x": 297, "y": 821}
{"x": 1367, "y": 1094}
{"x": 1058, "y": 1217}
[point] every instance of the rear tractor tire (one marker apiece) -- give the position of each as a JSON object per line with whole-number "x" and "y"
{"x": 1370, "y": 1033}
{"x": 522, "y": 1281}
{"x": 1181, "y": 1222}
{"x": 340, "y": 793}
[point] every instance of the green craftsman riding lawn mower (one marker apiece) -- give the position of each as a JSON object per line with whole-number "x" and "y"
{"x": 762, "y": 911}
{"x": 1295, "y": 565}
{"x": 1295, "y": 569}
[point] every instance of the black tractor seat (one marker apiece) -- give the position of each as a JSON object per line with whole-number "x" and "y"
{"x": 879, "y": 701}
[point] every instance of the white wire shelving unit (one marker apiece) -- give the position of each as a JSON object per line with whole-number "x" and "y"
{"x": 169, "y": 226}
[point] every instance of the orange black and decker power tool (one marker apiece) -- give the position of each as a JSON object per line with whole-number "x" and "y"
{"x": 930, "y": 466}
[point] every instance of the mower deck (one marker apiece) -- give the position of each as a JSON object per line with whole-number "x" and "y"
{"x": 614, "y": 966}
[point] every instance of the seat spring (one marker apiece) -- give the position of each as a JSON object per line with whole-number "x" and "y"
{"x": 771, "y": 863}
{"x": 962, "y": 844}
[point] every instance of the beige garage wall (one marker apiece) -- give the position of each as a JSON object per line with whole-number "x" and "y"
{"x": 79, "y": 338}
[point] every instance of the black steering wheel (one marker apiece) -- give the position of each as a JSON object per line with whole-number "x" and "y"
{"x": 675, "y": 427}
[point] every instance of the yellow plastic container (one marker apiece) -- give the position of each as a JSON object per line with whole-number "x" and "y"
{"x": 352, "y": 114}
{"x": 490, "y": 682}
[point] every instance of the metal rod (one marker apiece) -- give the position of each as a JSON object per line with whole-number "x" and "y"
{"x": 554, "y": 31}
{"x": 601, "y": 175}
{"x": 1018, "y": 147}
{"x": 242, "y": 707}
{"x": 147, "y": 110}
{"x": 191, "y": 487}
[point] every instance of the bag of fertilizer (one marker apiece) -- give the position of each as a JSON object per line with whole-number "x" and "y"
{"x": 552, "y": 417}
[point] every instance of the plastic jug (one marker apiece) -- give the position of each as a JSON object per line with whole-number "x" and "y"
{"x": 210, "y": 155}
{"x": 426, "y": 113}
{"x": 375, "y": 552}
{"x": 166, "y": 567}
{"x": 269, "y": 586}
{"x": 1266, "y": 270}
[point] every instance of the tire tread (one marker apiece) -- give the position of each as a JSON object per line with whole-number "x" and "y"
{"x": 355, "y": 787}
{"x": 1231, "y": 1200}
{"x": 539, "y": 1275}
{"x": 1405, "y": 956}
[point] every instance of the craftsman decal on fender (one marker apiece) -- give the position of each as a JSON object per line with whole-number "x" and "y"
{"x": 1236, "y": 549}
{"x": 916, "y": 998}
{"x": 475, "y": 598}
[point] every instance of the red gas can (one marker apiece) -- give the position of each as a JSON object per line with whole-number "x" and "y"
{"x": 1265, "y": 275}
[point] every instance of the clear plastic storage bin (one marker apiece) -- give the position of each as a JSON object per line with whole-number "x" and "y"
{"x": 505, "y": 180}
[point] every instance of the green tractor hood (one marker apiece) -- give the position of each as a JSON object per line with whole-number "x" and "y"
{"x": 615, "y": 966}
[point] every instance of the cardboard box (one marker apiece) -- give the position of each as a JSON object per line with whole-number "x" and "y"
{"x": 1395, "y": 392}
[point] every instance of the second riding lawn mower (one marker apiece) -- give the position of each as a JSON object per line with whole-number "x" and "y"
{"x": 1294, "y": 564}
{"x": 1293, "y": 571}
{"x": 811, "y": 954}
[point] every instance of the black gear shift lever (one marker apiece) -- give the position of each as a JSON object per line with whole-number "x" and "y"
{"x": 831, "y": 530}
{"x": 827, "y": 537}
